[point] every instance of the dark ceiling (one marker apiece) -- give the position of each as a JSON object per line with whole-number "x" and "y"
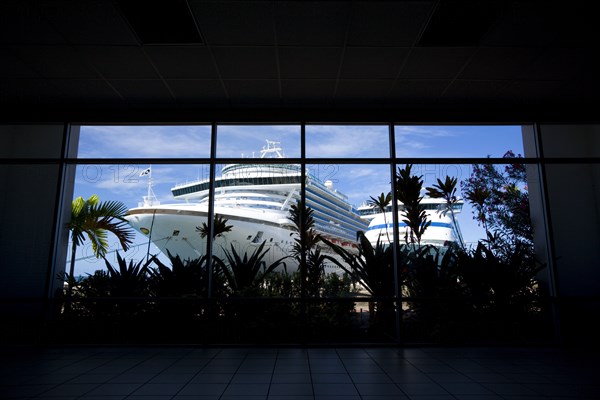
{"x": 251, "y": 59}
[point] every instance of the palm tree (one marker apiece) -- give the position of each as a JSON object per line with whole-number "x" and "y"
{"x": 93, "y": 219}
{"x": 244, "y": 274}
{"x": 381, "y": 203}
{"x": 447, "y": 190}
{"x": 408, "y": 191}
{"x": 219, "y": 227}
{"x": 306, "y": 250}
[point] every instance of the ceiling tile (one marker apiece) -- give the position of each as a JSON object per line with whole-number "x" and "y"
{"x": 316, "y": 23}
{"x": 387, "y": 23}
{"x": 544, "y": 24}
{"x": 235, "y": 22}
{"x": 474, "y": 90}
{"x": 23, "y": 22}
{"x": 556, "y": 64}
{"x": 246, "y": 62}
{"x": 530, "y": 92}
{"x": 435, "y": 62}
{"x": 13, "y": 67}
{"x": 88, "y": 22}
{"x": 192, "y": 62}
{"x": 253, "y": 92}
{"x": 198, "y": 91}
{"x": 36, "y": 91}
{"x": 307, "y": 91}
{"x": 309, "y": 62}
{"x": 367, "y": 91}
{"x": 372, "y": 62}
{"x": 56, "y": 62}
{"x": 419, "y": 90}
{"x": 116, "y": 62}
{"x": 143, "y": 91}
{"x": 498, "y": 63}
{"x": 87, "y": 91}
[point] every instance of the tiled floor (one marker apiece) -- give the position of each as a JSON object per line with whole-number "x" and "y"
{"x": 157, "y": 373}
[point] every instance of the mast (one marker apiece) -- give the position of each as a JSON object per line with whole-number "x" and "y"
{"x": 150, "y": 199}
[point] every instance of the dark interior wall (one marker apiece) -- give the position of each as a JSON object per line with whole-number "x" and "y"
{"x": 29, "y": 177}
{"x": 573, "y": 186}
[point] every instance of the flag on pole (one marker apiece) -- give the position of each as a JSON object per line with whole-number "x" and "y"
{"x": 145, "y": 172}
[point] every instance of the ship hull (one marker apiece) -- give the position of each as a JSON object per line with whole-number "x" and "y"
{"x": 173, "y": 229}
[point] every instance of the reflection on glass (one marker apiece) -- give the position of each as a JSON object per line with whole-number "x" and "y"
{"x": 344, "y": 141}
{"x": 144, "y": 141}
{"x": 148, "y": 194}
{"x": 338, "y": 195}
{"x": 457, "y": 141}
{"x": 248, "y": 141}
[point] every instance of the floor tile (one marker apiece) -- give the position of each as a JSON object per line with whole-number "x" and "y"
{"x": 159, "y": 389}
{"x": 203, "y": 389}
{"x": 114, "y": 389}
{"x": 247, "y": 389}
{"x": 291, "y": 389}
{"x": 334, "y": 389}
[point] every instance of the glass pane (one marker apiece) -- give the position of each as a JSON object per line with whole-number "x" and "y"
{"x": 252, "y": 205}
{"x": 344, "y": 141}
{"x": 582, "y": 140}
{"x": 338, "y": 194}
{"x": 258, "y": 141}
{"x": 144, "y": 141}
{"x": 158, "y": 200}
{"x": 457, "y": 141}
{"x": 31, "y": 141}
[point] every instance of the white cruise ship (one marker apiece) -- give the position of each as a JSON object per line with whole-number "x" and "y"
{"x": 442, "y": 231}
{"x": 255, "y": 199}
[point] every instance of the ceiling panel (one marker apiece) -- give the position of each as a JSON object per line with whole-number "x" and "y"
{"x": 246, "y": 62}
{"x": 470, "y": 91}
{"x": 253, "y": 92}
{"x": 418, "y": 90}
{"x": 119, "y": 61}
{"x": 88, "y": 22}
{"x": 387, "y": 23}
{"x": 235, "y": 22}
{"x": 307, "y": 92}
{"x": 143, "y": 91}
{"x": 354, "y": 91}
{"x": 312, "y": 23}
{"x": 436, "y": 62}
{"x": 56, "y": 61}
{"x": 310, "y": 62}
{"x": 499, "y": 62}
{"x": 88, "y": 91}
{"x": 198, "y": 91}
{"x": 183, "y": 61}
{"x": 372, "y": 62}
{"x": 12, "y": 67}
{"x": 24, "y": 22}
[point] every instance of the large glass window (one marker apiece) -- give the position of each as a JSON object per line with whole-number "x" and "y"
{"x": 234, "y": 244}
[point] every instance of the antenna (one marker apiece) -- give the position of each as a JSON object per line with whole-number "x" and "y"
{"x": 150, "y": 199}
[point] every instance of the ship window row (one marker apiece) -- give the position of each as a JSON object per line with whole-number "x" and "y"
{"x": 374, "y": 210}
{"x": 338, "y": 216}
{"x": 276, "y": 180}
{"x": 354, "y": 225}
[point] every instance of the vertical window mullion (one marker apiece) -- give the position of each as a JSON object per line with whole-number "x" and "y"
{"x": 549, "y": 233}
{"x": 302, "y": 205}
{"x": 395, "y": 231}
{"x": 58, "y": 212}
{"x": 211, "y": 208}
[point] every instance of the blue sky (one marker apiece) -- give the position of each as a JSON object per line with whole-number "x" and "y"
{"x": 123, "y": 182}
